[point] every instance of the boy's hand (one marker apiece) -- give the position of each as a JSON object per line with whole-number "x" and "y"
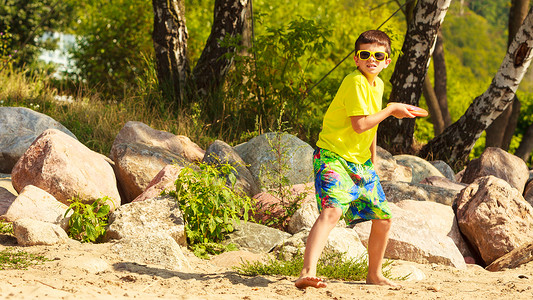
{"x": 399, "y": 110}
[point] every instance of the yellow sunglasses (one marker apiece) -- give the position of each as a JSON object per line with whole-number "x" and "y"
{"x": 365, "y": 55}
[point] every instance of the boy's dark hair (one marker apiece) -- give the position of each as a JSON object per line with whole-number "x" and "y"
{"x": 374, "y": 37}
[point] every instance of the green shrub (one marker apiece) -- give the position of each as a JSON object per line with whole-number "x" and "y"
{"x": 210, "y": 208}
{"x": 88, "y": 221}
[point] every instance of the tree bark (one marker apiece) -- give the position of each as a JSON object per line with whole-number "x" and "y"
{"x": 526, "y": 145}
{"x": 441, "y": 79}
{"x": 396, "y": 135}
{"x": 229, "y": 22}
{"x": 456, "y": 142}
{"x": 170, "y": 43}
{"x": 500, "y": 132}
{"x": 433, "y": 106}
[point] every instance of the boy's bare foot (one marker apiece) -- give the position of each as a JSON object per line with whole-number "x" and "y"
{"x": 309, "y": 281}
{"x": 381, "y": 281}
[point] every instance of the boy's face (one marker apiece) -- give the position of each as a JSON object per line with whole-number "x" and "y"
{"x": 371, "y": 67}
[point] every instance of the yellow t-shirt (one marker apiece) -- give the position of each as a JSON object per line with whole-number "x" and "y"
{"x": 355, "y": 97}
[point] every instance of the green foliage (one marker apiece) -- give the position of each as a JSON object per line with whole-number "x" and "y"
{"x": 6, "y": 53}
{"x": 113, "y": 39}
{"x": 330, "y": 265}
{"x": 28, "y": 20}
{"x": 88, "y": 221}
{"x": 18, "y": 260}
{"x": 210, "y": 208}
{"x": 6, "y": 227}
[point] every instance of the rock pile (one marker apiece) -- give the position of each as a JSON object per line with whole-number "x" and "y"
{"x": 483, "y": 214}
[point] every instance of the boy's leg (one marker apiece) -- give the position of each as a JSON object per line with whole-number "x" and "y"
{"x": 377, "y": 242}
{"x": 316, "y": 241}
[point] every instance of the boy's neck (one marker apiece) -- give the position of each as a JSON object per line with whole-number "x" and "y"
{"x": 369, "y": 77}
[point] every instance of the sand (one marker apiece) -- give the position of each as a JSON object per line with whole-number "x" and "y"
{"x": 92, "y": 271}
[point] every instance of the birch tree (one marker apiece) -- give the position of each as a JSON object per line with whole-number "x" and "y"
{"x": 408, "y": 77}
{"x": 456, "y": 142}
{"x": 170, "y": 43}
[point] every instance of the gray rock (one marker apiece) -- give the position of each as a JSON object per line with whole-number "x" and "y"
{"x": 151, "y": 216}
{"x": 157, "y": 249}
{"x": 397, "y": 191}
{"x": 388, "y": 169}
{"x": 494, "y": 217}
{"x": 19, "y": 127}
{"x": 444, "y": 168}
{"x": 31, "y": 232}
{"x": 260, "y": 154}
{"x": 444, "y": 182}
{"x": 255, "y": 237}
{"x": 420, "y": 167}
{"x": 221, "y": 153}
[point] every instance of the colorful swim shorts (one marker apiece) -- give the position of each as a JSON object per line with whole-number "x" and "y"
{"x": 355, "y": 188}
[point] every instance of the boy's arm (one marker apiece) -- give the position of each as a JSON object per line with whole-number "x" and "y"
{"x": 363, "y": 123}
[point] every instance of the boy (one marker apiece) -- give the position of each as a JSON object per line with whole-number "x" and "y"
{"x": 345, "y": 180}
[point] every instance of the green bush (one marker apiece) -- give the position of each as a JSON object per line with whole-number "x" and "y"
{"x": 88, "y": 221}
{"x": 210, "y": 208}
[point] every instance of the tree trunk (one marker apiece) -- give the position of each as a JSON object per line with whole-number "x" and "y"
{"x": 170, "y": 44}
{"x": 229, "y": 22}
{"x": 441, "y": 79}
{"x": 526, "y": 145}
{"x": 501, "y": 131}
{"x": 433, "y": 106}
{"x": 456, "y": 142}
{"x": 396, "y": 135}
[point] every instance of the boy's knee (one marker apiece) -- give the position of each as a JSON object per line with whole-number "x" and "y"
{"x": 331, "y": 214}
{"x": 383, "y": 224}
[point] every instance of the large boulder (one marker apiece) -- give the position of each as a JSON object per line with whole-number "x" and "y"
{"x": 150, "y": 248}
{"x": 444, "y": 182}
{"x": 340, "y": 240}
{"x": 139, "y": 133}
{"x": 528, "y": 193}
{"x": 494, "y": 217}
{"x": 19, "y": 127}
{"x": 255, "y": 237}
{"x": 221, "y": 153}
{"x": 388, "y": 169}
{"x": 37, "y": 204}
{"x": 163, "y": 181}
{"x": 31, "y": 232}
{"x": 444, "y": 168}
{"x": 157, "y": 215}
{"x": 65, "y": 168}
{"x": 137, "y": 164}
{"x": 498, "y": 163}
{"x": 412, "y": 239}
{"x": 439, "y": 218}
{"x": 396, "y": 191}
{"x": 270, "y": 152}
{"x": 513, "y": 259}
{"x": 420, "y": 167}
{"x": 270, "y": 205}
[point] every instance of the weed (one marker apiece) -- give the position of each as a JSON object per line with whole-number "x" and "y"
{"x": 14, "y": 259}
{"x": 210, "y": 208}
{"x": 6, "y": 227}
{"x": 88, "y": 221}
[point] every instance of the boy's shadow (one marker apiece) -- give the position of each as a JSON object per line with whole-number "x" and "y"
{"x": 233, "y": 277}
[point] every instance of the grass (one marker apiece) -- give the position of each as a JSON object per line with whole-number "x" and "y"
{"x": 331, "y": 265}
{"x": 12, "y": 259}
{"x": 6, "y": 227}
{"x": 96, "y": 121}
